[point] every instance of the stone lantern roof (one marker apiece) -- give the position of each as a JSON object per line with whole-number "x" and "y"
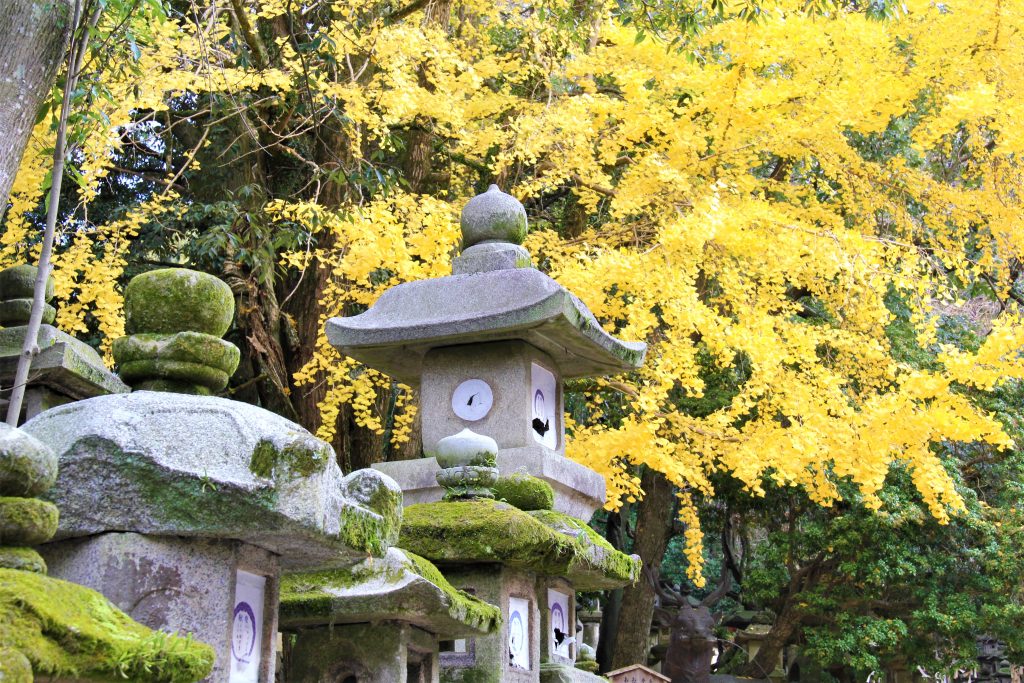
{"x": 494, "y": 295}
{"x": 543, "y": 541}
{"x": 399, "y": 587}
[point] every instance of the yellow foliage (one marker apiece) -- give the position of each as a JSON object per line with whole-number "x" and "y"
{"x": 716, "y": 181}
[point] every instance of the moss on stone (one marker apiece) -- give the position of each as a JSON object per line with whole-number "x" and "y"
{"x": 25, "y": 559}
{"x": 546, "y": 542}
{"x": 318, "y": 597}
{"x": 19, "y": 282}
{"x": 364, "y": 530}
{"x": 176, "y": 300}
{"x": 188, "y": 347}
{"x": 18, "y": 311}
{"x": 14, "y": 667}
{"x": 27, "y": 467}
{"x": 184, "y": 502}
{"x": 66, "y": 630}
{"x": 27, "y": 521}
{"x": 136, "y": 372}
{"x": 464, "y": 607}
{"x": 525, "y": 491}
{"x": 300, "y": 458}
{"x": 375, "y": 520}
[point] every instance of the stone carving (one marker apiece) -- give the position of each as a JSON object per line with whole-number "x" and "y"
{"x": 17, "y": 285}
{"x": 468, "y": 464}
{"x": 175, "y": 319}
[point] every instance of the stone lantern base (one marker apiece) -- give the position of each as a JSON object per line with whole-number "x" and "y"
{"x": 179, "y": 584}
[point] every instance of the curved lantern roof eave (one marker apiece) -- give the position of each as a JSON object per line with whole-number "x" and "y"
{"x": 516, "y": 304}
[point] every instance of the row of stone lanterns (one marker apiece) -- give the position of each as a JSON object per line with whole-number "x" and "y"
{"x": 202, "y": 515}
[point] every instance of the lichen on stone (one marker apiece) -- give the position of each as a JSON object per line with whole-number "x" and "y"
{"x": 546, "y": 542}
{"x": 67, "y": 630}
{"x": 525, "y": 491}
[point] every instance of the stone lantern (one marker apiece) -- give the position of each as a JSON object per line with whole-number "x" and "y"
{"x": 489, "y": 348}
{"x": 65, "y": 369}
{"x": 184, "y": 508}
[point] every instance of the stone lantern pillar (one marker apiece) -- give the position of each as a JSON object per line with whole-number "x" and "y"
{"x": 489, "y": 348}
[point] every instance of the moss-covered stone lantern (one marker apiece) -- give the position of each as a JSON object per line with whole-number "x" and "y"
{"x": 183, "y": 508}
{"x": 489, "y": 348}
{"x": 65, "y": 369}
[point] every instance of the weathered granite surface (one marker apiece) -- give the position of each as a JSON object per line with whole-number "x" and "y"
{"x": 579, "y": 491}
{"x": 413, "y": 317}
{"x": 66, "y": 365}
{"x": 491, "y": 256}
{"x": 172, "y": 584}
{"x": 493, "y": 216}
{"x": 177, "y": 465}
{"x": 397, "y": 587}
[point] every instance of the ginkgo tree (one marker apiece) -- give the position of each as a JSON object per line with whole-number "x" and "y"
{"x": 725, "y": 194}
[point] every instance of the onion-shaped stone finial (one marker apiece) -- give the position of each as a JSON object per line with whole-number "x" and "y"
{"x": 468, "y": 465}
{"x": 493, "y": 216}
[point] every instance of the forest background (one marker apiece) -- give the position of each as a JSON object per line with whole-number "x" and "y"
{"x": 810, "y": 210}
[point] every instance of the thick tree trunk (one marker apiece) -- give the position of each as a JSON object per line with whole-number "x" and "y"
{"x": 35, "y": 33}
{"x": 653, "y": 529}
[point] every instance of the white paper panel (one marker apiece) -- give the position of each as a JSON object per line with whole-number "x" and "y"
{"x": 543, "y": 404}
{"x": 561, "y": 633}
{"x": 247, "y": 628}
{"x": 519, "y": 632}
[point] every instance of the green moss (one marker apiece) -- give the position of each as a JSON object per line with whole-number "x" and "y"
{"x": 615, "y": 563}
{"x": 68, "y": 630}
{"x": 300, "y": 458}
{"x": 177, "y": 300}
{"x": 526, "y": 492}
{"x": 136, "y": 372}
{"x": 190, "y": 347}
{"x": 464, "y": 607}
{"x": 19, "y": 282}
{"x": 313, "y": 597}
{"x": 372, "y": 521}
{"x": 14, "y": 667}
{"x": 18, "y": 311}
{"x": 185, "y": 502}
{"x": 25, "y": 559}
{"x": 481, "y": 674}
{"x": 26, "y": 521}
{"x": 546, "y": 542}
{"x": 364, "y": 530}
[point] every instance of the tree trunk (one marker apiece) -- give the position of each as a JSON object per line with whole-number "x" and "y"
{"x": 653, "y": 529}
{"x": 784, "y": 628}
{"x": 615, "y": 533}
{"x": 35, "y": 33}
